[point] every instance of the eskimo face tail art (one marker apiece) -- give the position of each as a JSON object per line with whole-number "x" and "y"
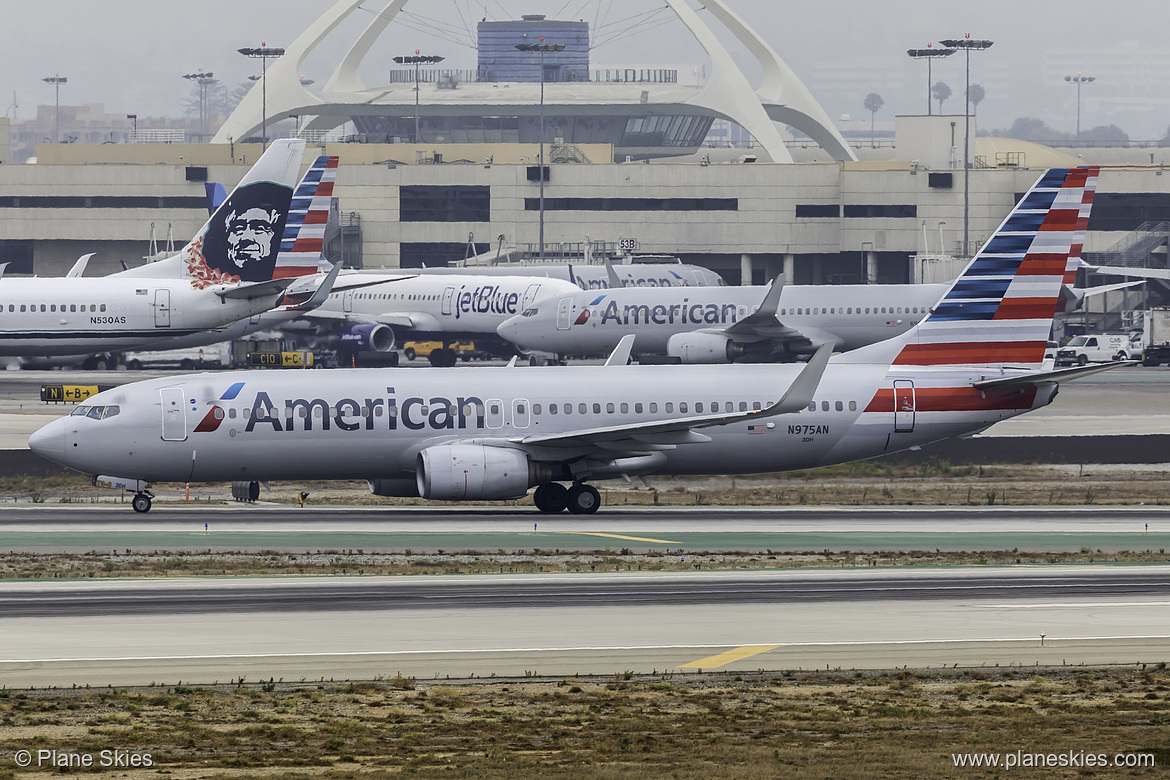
{"x": 241, "y": 240}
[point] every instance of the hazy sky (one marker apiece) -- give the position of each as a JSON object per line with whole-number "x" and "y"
{"x": 130, "y": 54}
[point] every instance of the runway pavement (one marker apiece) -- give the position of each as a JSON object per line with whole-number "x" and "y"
{"x": 83, "y": 528}
{"x": 200, "y": 631}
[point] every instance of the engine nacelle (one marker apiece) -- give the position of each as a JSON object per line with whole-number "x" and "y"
{"x": 394, "y": 488}
{"x": 703, "y": 348}
{"x": 454, "y": 472}
{"x": 371, "y": 337}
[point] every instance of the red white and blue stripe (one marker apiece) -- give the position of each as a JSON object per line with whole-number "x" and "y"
{"x": 999, "y": 311}
{"x": 304, "y": 230}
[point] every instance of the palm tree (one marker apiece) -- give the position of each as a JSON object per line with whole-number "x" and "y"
{"x": 873, "y": 104}
{"x": 940, "y": 92}
{"x": 977, "y": 95}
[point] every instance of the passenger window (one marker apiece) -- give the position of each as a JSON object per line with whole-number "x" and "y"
{"x": 824, "y": 406}
{"x": 232, "y": 413}
{"x": 743, "y": 406}
{"x": 812, "y": 407}
{"x": 698, "y": 407}
{"x": 103, "y": 307}
{"x": 637, "y": 408}
{"x": 583, "y": 408}
{"x": 536, "y": 408}
{"x": 682, "y": 407}
{"x": 42, "y": 307}
{"x": 217, "y": 413}
{"x": 839, "y": 406}
{"x": 653, "y": 408}
{"x": 52, "y": 307}
{"x": 597, "y": 408}
{"x": 626, "y": 408}
{"x": 520, "y": 409}
{"x": 853, "y": 406}
{"x": 552, "y": 408}
{"x": 73, "y": 307}
{"x": 568, "y": 409}
{"x": 609, "y": 408}
{"x": 756, "y": 405}
{"x": 669, "y": 408}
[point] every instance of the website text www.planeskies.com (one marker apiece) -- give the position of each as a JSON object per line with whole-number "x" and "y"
{"x": 1065, "y": 759}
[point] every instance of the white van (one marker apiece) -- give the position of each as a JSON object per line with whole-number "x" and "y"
{"x": 1099, "y": 348}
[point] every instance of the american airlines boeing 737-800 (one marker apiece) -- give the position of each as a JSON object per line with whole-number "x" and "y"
{"x": 474, "y": 434}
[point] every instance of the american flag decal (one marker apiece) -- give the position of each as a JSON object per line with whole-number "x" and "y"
{"x": 140, "y": 292}
{"x": 755, "y": 429}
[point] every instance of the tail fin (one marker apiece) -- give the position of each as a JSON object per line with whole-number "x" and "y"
{"x": 304, "y": 231}
{"x": 241, "y": 240}
{"x": 999, "y": 310}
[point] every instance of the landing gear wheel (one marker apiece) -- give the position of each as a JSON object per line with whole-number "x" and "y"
{"x": 141, "y": 502}
{"x": 583, "y": 499}
{"x": 551, "y": 498}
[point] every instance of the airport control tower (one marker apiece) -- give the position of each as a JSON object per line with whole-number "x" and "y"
{"x": 499, "y": 60}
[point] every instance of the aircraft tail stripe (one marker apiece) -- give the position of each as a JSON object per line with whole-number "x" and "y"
{"x": 954, "y": 399}
{"x": 1026, "y": 309}
{"x": 972, "y": 353}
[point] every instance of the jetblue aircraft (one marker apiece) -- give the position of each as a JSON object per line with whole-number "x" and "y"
{"x": 489, "y": 434}
{"x": 228, "y": 272}
{"x": 597, "y": 277}
{"x": 446, "y": 308}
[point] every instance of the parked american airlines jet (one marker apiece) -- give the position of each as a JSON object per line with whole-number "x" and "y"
{"x": 597, "y": 277}
{"x": 722, "y": 324}
{"x": 478, "y": 434}
{"x": 228, "y": 272}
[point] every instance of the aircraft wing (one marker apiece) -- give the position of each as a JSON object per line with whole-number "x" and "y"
{"x": 1144, "y": 273}
{"x": 352, "y": 284}
{"x": 667, "y": 433}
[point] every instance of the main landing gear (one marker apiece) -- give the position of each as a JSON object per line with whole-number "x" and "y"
{"x": 141, "y": 501}
{"x": 580, "y": 499}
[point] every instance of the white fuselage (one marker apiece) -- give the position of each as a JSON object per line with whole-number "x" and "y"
{"x": 372, "y": 423}
{"x": 444, "y": 306}
{"x": 78, "y": 316}
{"x": 593, "y": 323}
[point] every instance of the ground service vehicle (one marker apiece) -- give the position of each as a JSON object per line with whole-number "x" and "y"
{"x": 464, "y": 350}
{"x": 1097, "y": 348}
{"x": 1156, "y": 337}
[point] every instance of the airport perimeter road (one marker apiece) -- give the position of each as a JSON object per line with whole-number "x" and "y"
{"x": 203, "y": 631}
{"x": 706, "y": 529}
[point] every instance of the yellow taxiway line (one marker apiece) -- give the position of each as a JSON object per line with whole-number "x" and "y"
{"x": 618, "y": 536}
{"x": 738, "y": 654}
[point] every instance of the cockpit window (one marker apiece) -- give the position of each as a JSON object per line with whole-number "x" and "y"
{"x": 95, "y": 412}
{"x": 111, "y": 411}
{"x": 532, "y": 312}
{"x": 80, "y": 411}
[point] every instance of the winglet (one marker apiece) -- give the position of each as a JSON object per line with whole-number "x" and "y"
{"x": 615, "y": 282}
{"x": 321, "y": 294}
{"x": 800, "y": 393}
{"x": 79, "y": 267}
{"x": 771, "y": 302}
{"x": 621, "y": 353}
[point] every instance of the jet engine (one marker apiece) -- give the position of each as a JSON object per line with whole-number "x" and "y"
{"x": 454, "y": 472}
{"x": 394, "y": 488}
{"x": 704, "y": 348}
{"x": 367, "y": 338}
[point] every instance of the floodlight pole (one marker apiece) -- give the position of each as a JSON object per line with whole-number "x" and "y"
{"x": 204, "y": 80}
{"x": 542, "y": 48}
{"x": 417, "y": 59}
{"x": 967, "y": 44}
{"x": 929, "y": 54}
{"x": 56, "y": 80}
{"x": 1078, "y": 80}
{"x": 262, "y": 54}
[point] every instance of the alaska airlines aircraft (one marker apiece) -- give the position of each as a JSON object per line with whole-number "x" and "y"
{"x": 722, "y": 324}
{"x": 445, "y": 308}
{"x": 228, "y": 272}
{"x": 480, "y": 434}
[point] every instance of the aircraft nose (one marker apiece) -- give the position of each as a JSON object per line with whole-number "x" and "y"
{"x": 509, "y": 328}
{"x": 49, "y": 441}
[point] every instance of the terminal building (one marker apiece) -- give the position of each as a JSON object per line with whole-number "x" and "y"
{"x": 625, "y": 159}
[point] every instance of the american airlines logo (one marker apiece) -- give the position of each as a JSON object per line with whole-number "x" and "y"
{"x": 685, "y": 313}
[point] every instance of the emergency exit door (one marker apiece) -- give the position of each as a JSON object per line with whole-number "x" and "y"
{"x": 903, "y": 406}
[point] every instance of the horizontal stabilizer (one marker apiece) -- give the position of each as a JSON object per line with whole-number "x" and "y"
{"x": 1143, "y": 273}
{"x": 1042, "y": 377}
{"x": 249, "y": 292}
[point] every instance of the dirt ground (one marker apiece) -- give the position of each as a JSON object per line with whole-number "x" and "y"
{"x": 896, "y": 724}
